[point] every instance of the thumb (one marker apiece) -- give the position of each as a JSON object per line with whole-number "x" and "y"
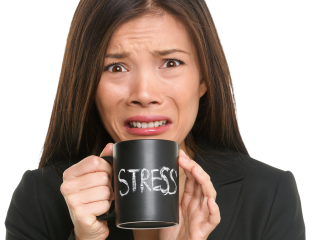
{"x": 107, "y": 151}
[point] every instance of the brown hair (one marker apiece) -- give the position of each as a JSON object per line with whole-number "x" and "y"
{"x": 75, "y": 129}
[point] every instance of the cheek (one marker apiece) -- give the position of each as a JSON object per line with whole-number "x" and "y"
{"x": 107, "y": 98}
{"x": 104, "y": 92}
{"x": 187, "y": 100}
{"x": 116, "y": 87}
{"x": 101, "y": 99}
{"x": 97, "y": 97}
{"x": 189, "y": 90}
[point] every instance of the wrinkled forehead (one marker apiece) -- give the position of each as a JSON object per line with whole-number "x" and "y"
{"x": 152, "y": 34}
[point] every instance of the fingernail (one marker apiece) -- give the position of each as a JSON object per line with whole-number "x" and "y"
{"x": 184, "y": 154}
{"x": 198, "y": 170}
{"x": 185, "y": 159}
{"x": 213, "y": 201}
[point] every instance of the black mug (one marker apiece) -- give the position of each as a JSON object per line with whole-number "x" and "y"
{"x": 146, "y": 184}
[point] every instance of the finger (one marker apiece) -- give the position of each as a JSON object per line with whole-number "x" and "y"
{"x": 86, "y": 181}
{"x": 197, "y": 193}
{"x": 189, "y": 184}
{"x": 201, "y": 195}
{"x": 189, "y": 188}
{"x": 203, "y": 179}
{"x": 112, "y": 198}
{"x": 96, "y": 194}
{"x": 214, "y": 216}
{"x": 107, "y": 151}
{"x": 199, "y": 175}
{"x": 204, "y": 205}
{"x": 93, "y": 209}
{"x": 88, "y": 165}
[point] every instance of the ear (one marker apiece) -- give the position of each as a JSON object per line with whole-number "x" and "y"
{"x": 203, "y": 88}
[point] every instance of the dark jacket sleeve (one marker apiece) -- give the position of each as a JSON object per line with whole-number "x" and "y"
{"x": 285, "y": 221}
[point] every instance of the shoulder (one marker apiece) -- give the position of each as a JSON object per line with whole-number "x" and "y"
{"x": 259, "y": 173}
{"x": 265, "y": 179}
{"x": 261, "y": 183}
{"x": 37, "y": 206}
{"x": 264, "y": 199}
{"x": 47, "y": 177}
{"x": 273, "y": 195}
{"x": 41, "y": 184}
{"x": 233, "y": 165}
{"x": 264, "y": 176}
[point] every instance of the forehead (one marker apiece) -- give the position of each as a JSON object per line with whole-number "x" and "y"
{"x": 151, "y": 33}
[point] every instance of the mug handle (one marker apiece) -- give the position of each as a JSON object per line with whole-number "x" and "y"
{"x": 110, "y": 216}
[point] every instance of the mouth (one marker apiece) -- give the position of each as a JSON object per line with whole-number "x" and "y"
{"x": 147, "y": 125}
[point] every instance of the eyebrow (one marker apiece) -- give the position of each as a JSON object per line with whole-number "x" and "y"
{"x": 155, "y": 53}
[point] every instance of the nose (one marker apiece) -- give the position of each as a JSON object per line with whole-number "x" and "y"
{"x": 145, "y": 90}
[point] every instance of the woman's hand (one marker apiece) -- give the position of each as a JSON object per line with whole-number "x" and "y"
{"x": 199, "y": 214}
{"x": 88, "y": 193}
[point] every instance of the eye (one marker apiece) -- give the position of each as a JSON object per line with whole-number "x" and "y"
{"x": 115, "y": 67}
{"x": 173, "y": 60}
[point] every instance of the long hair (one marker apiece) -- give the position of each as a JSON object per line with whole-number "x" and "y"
{"x": 75, "y": 130}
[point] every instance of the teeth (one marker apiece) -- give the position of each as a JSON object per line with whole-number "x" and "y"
{"x": 148, "y": 125}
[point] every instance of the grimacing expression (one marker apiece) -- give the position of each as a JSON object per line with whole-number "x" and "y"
{"x": 146, "y": 90}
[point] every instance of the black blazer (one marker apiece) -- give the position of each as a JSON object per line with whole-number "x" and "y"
{"x": 256, "y": 201}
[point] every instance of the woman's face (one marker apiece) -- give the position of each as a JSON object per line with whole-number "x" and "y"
{"x": 151, "y": 75}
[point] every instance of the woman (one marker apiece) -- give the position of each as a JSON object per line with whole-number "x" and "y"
{"x": 150, "y": 69}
